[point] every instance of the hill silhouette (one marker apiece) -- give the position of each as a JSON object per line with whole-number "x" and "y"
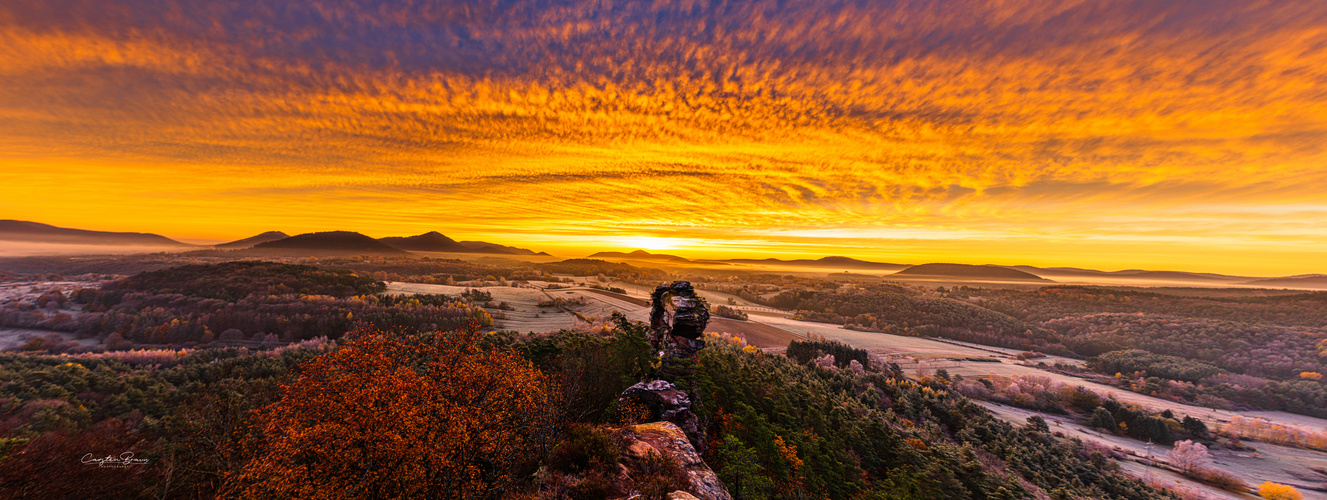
{"x": 254, "y": 240}
{"x": 18, "y": 230}
{"x": 639, "y": 255}
{"x": 967, "y": 271}
{"x": 328, "y": 243}
{"x": 486, "y": 247}
{"x": 434, "y": 241}
{"x": 1128, "y": 273}
{"x": 431, "y": 241}
{"x": 831, "y": 262}
{"x": 1314, "y": 281}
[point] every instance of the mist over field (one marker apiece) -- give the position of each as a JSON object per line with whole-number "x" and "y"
{"x": 23, "y": 249}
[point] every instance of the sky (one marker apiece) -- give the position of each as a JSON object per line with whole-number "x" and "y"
{"x": 1184, "y": 135}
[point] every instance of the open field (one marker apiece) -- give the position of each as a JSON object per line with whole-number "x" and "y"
{"x": 526, "y": 315}
{"x": 13, "y": 338}
{"x": 903, "y": 346}
{"x": 1269, "y": 463}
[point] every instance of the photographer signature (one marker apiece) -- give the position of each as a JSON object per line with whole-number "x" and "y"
{"x": 125, "y": 459}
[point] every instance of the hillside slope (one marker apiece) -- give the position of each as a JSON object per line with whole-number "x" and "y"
{"x": 254, "y": 240}
{"x": 968, "y": 271}
{"x": 18, "y": 230}
{"x": 328, "y": 243}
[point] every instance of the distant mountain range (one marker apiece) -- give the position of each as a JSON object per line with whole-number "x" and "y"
{"x": 967, "y": 271}
{"x": 1129, "y": 273}
{"x": 323, "y": 243}
{"x": 823, "y": 262}
{"x": 17, "y": 230}
{"x": 830, "y": 262}
{"x": 1318, "y": 281}
{"x": 486, "y": 247}
{"x": 986, "y": 272}
{"x": 431, "y": 241}
{"x": 329, "y": 243}
{"x": 434, "y": 241}
{"x": 639, "y": 255}
{"x": 352, "y": 243}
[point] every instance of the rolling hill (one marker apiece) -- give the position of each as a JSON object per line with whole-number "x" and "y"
{"x": 434, "y": 241}
{"x": 254, "y": 240}
{"x": 1074, "y": 272}
{"x": 967, "y": 271}
{"x": 486, "y": 247}
{"x": 25, "y": 231}
{"x": 431, "y": 241}
{"x": 1311, "y": 281}
{"x": 639, "y": 255}
{"x": 830, "y": 262}
{"x": 1131, "y": 273}
{"x": 328, "y": 243}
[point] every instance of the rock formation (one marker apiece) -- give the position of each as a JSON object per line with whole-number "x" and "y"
{"x": 677, "y": 319}
{"x": 668, "y": 440}
{"x": 666, "y": 402}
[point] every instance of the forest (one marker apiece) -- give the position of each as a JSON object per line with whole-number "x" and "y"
{"x": 218, "y": 372}
{"x": 223, "y": 422}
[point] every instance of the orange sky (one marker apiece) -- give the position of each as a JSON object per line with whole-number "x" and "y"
{"x": 1187, "y": 135}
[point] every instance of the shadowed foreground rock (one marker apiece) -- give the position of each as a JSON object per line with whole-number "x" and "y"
{"x": 681, "y": 495}
{"x": 668, "y": 403}
{"x": 667, "y": 440}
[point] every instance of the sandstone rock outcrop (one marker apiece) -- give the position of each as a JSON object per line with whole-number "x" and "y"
{"x": 668, "y": 403}
{"x": 669, "y": 441}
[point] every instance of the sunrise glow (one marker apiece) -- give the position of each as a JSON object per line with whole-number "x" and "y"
{"x": 1095, "y": 134}
{"x": 648, "y": 243}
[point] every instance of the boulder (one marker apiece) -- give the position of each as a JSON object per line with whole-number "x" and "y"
{"x": 668, "y": 440}
{"x": 663, "y": 398}
{"x": 668, "y": 403}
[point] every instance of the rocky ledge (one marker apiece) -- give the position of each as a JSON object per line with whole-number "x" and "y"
{"x": 666, "y": 439}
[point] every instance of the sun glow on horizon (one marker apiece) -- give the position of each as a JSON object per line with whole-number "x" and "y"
{"x": 650, "y": 242}
{"x": 980, "y": 132}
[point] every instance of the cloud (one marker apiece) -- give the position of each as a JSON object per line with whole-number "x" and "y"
{"x": 686, "y": 117}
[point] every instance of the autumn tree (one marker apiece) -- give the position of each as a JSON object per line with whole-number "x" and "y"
{"x": 1275, "y": 491}
{"x": 393, "y": 415}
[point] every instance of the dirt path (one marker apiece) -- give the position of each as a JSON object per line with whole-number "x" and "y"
{"x": 757, "y": 334}
{"x": 625, "y": 298}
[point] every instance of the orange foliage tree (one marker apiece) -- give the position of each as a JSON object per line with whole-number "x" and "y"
{"x": 393, "y": 415}
{"x": 1276, "y": 491}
